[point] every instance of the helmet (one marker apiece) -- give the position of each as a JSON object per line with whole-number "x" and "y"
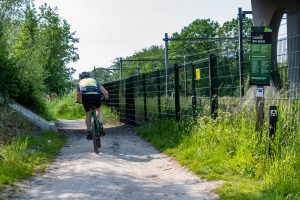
{"x": 84, "y": 75}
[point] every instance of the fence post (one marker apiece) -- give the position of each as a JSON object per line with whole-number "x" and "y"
{"x": 213, "y": 84}
{"x": 130, "y": 103}
{"x": 158, "y": 93}
{"x": 241, "y": 51}
{"x": 95, "y": 72}
{"x": 145, "y": 96}
{"x": 273, "y": 117}
{"x": 194, "y": 100}
{"x": 185, "y": 76}
{"x": 121, "y": 68}
{"x": 117, "y": 97}
{"x": 260, "y": 103}
{"x": 177, "y": 100}
{"x": 166, "y": 39}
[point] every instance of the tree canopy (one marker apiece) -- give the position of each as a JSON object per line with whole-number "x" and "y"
{"x": 36, "y": 46}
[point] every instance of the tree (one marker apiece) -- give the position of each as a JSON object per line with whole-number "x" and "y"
{"x": 27, "y": 57}
{"x": 58, "y": 44}
{"x": 103, "y": 75}
{"x": 193, "y": 50}
{"x": 35, "y": 50}
{"x": 10, "y": 15}
{"x": 138, "y": 67}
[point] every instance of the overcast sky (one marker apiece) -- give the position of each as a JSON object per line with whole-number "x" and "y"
{"x": 110, "y": 29}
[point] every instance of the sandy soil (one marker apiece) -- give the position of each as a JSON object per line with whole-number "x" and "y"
{"x": 126, "y": 168}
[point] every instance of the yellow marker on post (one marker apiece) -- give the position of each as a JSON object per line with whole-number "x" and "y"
{"x": 198, "y": 74}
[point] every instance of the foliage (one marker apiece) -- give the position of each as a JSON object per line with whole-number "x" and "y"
{"x": 65, "y": 107}
{"x": 195, "y": 49}
{"x": 103, "y": 75}
{"x": 58, "y": 45}
{"x": 131, "y": 68}
{"x": 36, "y": 46}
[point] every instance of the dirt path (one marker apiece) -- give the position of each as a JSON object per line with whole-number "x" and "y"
{"x": 126, "y": 168}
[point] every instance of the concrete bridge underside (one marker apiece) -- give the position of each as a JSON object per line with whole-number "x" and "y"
{"x": 269, "y": 13}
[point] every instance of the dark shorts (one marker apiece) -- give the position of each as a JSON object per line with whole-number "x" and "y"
{"x": 91, "y": 101}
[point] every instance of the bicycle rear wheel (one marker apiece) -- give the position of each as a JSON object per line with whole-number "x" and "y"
{"x": 96, "y": 137}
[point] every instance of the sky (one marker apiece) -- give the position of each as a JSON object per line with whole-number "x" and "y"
{"x": 110, "y": 29}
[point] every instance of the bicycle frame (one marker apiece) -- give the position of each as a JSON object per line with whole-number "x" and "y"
{"x": 95, "y": 131}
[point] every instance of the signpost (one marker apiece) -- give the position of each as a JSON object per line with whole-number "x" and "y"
{"x": 260, "y": 71}
{"x": 261, "y": 49}
{"x": 198, "y": 74}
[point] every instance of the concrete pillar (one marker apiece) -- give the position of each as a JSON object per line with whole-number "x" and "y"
{"x": 269, "y": 13}
{"x": 293, "y": 34}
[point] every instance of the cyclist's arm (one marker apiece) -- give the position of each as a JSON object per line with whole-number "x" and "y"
{"x": 79, "y": 96}
{"x": 104, "y": 92}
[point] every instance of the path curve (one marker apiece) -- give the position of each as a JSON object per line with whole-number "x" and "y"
{"x": 127, "y": 168}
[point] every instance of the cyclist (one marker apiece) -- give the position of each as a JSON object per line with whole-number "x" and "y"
{"x": 89, "y": 94}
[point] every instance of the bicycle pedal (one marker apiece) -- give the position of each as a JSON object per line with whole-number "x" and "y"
{"x": 102, "y": 133}
{"x": 89, "y": 136}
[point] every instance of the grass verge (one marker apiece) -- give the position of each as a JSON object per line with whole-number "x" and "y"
{"x": 229, "y": 149}
{"x": 27, "y": 155}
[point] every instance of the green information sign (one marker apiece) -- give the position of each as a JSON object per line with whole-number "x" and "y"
{"x": 261, "y": 52}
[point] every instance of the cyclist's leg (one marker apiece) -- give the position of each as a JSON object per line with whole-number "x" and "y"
{"x": 87, "y": 108}
{"x": 88, "y": 116}
{"x": 100, "y": 114}
{"x": 100, "y": 118}
{"x": 97, "y": 104}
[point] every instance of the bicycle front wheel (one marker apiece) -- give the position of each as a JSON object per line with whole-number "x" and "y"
{"x": 96, "y": 141}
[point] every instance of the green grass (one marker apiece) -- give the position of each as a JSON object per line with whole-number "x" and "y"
{"x": 27, "y": 155}
{"x": 65, "y": 107}
{"x": 229, "y": 149}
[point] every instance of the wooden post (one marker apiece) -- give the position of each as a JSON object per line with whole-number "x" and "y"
{"x": 273, "y": 118}
{"x": 177, "y": 99}
{"x": 145, "y": 97}
{"x": 158, "y": 93}
{"x": 259, "y": 108}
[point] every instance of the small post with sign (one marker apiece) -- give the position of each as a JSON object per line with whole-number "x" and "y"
{"x": 273, "y": 118}
{"x": 259, "y": 108}
{"x": 261, "y": 51}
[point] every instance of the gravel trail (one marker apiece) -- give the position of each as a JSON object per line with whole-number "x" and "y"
{"x": 127, "y": 168}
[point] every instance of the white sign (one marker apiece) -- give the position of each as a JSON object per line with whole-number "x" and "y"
{"x": 259, "y": 92}
{"x": 273, "y": 113}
